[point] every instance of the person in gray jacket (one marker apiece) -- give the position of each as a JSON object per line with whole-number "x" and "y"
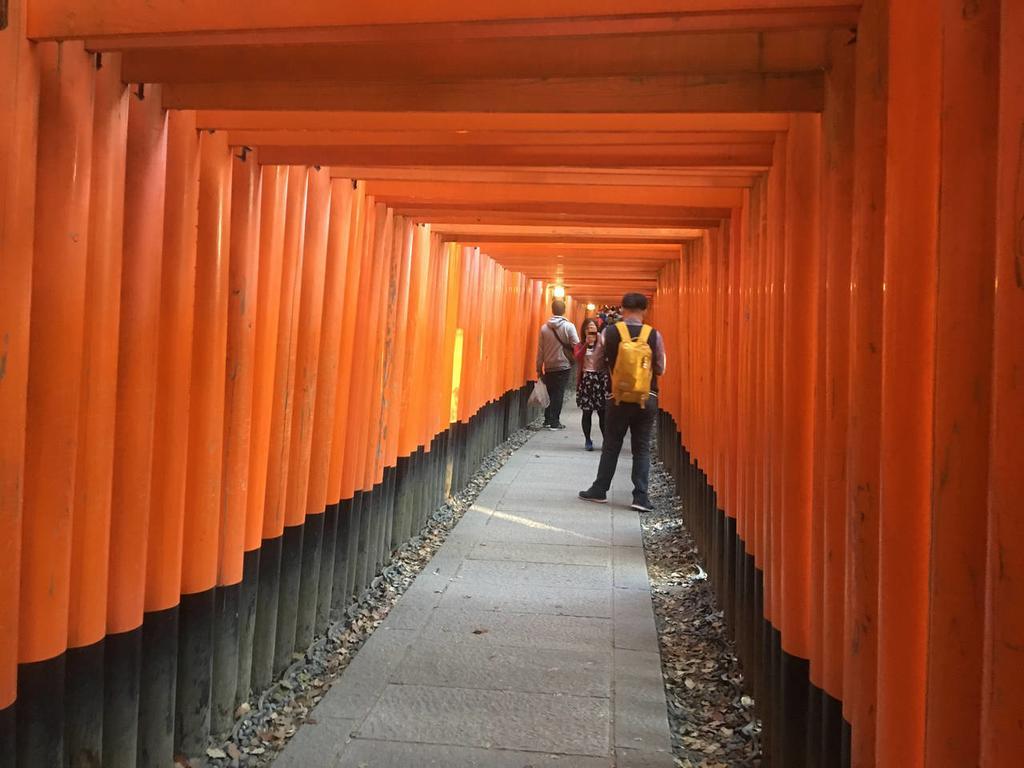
{"x": 555, "y": 346}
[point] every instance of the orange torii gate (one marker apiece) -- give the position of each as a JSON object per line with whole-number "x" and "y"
{"x": 270, "y": 281}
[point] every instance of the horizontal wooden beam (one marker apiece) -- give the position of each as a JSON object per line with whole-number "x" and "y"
{"x": 399, "y": 60}
{"x": 800, "y": 92}
{"x": 623, "y": 177}
{"x": 788, "y": 18}
{"x": 88, "y": 18}
{"x": 483, "y": 194}
{"x": 473, "y": 119}
{"x": 455, "y": 137}
{"x": 512, "y": 233}
{"x": 737, "y": 156}
{"x": 440, "y": 217}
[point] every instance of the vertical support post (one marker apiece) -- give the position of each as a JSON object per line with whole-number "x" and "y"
{"x": 19, "y": 115}
{"x": 265, "y": 551}
{"x": 205, "y": 447}
{"x": 963, "y": 376}
{"x": 1003, "y": 652}
{"x": 133, "y": 440}
{"x": 164, "y": 548}
{"x": 908, "y": 379}
{"x": 243, "y": 298}
{"x": 297, "y": 515}
{"x": 90, "y": 549}
{"x": 863, "y": 446}
{"x": 54, "y": 378}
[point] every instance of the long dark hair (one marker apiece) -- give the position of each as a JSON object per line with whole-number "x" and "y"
{"x": 583, "y": 328}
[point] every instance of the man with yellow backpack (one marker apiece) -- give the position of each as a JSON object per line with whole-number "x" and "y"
{"x": 635, "y": 354}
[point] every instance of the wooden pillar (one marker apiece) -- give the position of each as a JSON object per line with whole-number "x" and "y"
{"x": 863, "y": 441}
{"x": 170, "y": 444}
{"x": 1002, "y": 737}
{"x": 837, "y": 201}
{"x": 205, "y": 447}
{"x": 243, "y": 296}
{"x": 54, "y": 377}
{"x": 963, "y": 377}
{"x": 299, "y": 632}
{"x": 87, "y": 617}
{"x": 318, "y": 500}
{"x": 19, "y": 114}
{"x": 136, "y": 403}
{"x": 908, "y": 380}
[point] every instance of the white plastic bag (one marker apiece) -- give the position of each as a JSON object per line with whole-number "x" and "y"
{"x": 540, "y": 397}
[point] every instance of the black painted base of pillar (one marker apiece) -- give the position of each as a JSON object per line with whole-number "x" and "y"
{"x": 341, "y": 591}
{"x": 325, "y": 584}
{"x": 803, "y": 726}
{"x": 225, "y": 658}
{"x": 289, "y": 577}
{"x": 83, "y": 706}
{"x": 309, "y": 581}
{"x": 265, "y": 633}
{"x": 40, "y": 721}
{"x": 247, "y": 596}
{"x": 8, "y": 737}
{"x": 355, "y": 531}
{"x": 121, "y": 689}
{"x": 158, "y": 688}
{"x": 195, "y": 673}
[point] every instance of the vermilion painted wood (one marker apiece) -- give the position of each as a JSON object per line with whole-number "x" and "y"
{"x": 90, "y": 549}
{"x": 206, "y": 403}
{"x": 963, "y": 377}
{"x": 174, "y": 365}
{"x": 871, "y": 103}
{"x": 52, "y": 18}
{"x": 340, "y": 451}
{"x": 837, "y": 123}
{"x": 563, "y": 56}
{"x": 908, "y": 374}
{"x": 240, "y": 363}
{"x": 1003, "y": 674}
{"x": 328, "y": 385}
{"x": 275, "y": 499}
{"x": 138, "y": 351}
{"x": 19, "y": 112}
{"x": 310, "y": 298}
{"x": 54, "y": 372}
{"x": 268, "y": 317}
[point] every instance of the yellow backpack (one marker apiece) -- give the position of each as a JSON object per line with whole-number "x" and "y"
{"x": 631, "y": 379}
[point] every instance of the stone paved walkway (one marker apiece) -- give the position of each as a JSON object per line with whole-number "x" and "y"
{"x": 528, "y": 641}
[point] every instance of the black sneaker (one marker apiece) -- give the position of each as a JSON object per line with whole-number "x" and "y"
{"x": 559, "y": 426}
{"x": 598, "y": 497}
{"x": 642, "y": 504}
{"x": 589, "y": 445}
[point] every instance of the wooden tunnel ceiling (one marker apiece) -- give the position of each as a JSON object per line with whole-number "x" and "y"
{"x": 579, "y": 141}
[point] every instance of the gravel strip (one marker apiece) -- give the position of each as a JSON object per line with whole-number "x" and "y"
{"x": 267, "y": 722}
{"x": 712, "y": 718}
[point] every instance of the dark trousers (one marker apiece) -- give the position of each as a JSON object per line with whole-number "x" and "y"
{"x": 556, "y": 382}
{"x": 588, "y": 421}
{"x": 639, "y": 421}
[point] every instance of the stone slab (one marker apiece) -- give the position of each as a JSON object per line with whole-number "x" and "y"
{"x": 533, "y": 722}
{"x": 541, "y": 553}
{"x": 366, "y": 753}
{"x": 641, "y": 716}
{"x": 506, "y": 668}
{"x": 519, "y": 629}
{"x": 524, "y": 598}
{"x": 511, "y": 572}
{"x": 366, "y": 677}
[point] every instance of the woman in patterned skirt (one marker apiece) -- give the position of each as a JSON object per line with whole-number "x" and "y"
{"x": 592, "y": 384}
